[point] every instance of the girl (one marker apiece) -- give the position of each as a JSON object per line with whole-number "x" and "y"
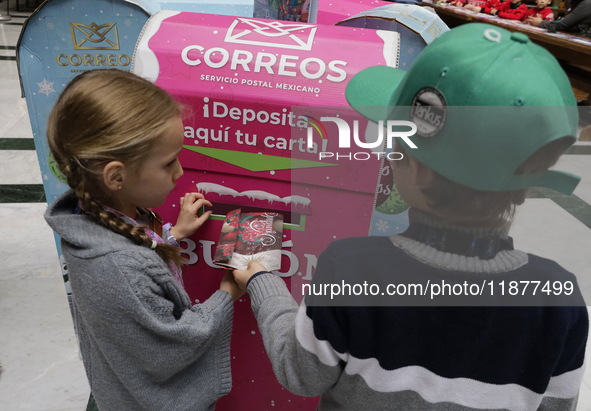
{"x": 116, "y": 138}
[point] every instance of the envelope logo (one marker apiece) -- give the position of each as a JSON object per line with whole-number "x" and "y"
{"x": 271, "y": 34}
{"x": 94, "y": 37}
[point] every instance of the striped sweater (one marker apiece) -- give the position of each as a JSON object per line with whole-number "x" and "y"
{"x": 388, "y": 357}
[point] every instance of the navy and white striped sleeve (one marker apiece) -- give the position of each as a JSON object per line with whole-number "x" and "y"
{"x": 302, "y": 363}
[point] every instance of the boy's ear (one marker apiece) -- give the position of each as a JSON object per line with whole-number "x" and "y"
{"x": 419, "y": 175}
{"x": 113, "y": 174}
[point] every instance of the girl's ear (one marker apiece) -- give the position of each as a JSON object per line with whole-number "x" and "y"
{"x": 419, "y": 175}
{"x": 113, "y": 174}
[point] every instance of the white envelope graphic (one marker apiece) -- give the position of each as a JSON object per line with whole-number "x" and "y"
{"x": 271, "y": 34}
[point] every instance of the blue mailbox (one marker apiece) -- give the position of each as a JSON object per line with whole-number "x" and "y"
{"x": 60, "y": 40}
{"x": 64, "y": 38}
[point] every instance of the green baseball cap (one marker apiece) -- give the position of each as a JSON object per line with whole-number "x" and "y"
{"x": 483, "y": 100}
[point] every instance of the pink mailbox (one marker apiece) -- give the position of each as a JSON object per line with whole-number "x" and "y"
{"x": 253, "y": 91}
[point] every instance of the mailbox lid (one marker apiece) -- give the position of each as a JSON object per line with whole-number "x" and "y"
{"x": 252, "y": 88}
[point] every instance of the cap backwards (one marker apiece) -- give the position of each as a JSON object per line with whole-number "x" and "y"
{"x": 483, "y": 99}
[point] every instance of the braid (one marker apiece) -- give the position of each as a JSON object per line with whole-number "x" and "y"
{"x": 137, "y": 234}
{"x": 97, "y": 120}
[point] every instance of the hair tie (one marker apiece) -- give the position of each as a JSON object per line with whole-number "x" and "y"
{"x": 154, "y": 245}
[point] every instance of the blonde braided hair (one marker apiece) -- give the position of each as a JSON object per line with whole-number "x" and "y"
{"x": 104, "y": 116}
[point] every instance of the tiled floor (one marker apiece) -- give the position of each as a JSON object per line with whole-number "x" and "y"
{"x": 41, "y": 368}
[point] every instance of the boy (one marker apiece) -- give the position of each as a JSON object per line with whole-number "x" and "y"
{"x": 541, "y": 11}
{"x": 458, "y": 3}
{"x": 463, "y": 3}
{"x": 511, "y": 9}
{"x": 486, "y": 7}
{"x": 463, "y": 181}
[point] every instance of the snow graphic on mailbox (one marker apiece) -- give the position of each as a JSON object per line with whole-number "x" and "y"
{"x": 251, "y": 90}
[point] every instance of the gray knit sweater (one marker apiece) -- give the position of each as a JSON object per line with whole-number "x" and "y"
{"x": 144, "y": 345}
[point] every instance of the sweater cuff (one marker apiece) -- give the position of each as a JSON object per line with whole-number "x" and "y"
{"x": 255, "y": 276}
{"x": 545, "y": 24}
{"x": 223, "y": 300}
{"x": 266, "y": 286}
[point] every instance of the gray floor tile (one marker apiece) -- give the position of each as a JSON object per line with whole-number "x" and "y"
{"x": 579, "y": 165}
{"x": 42, "y": 369}
{"x": 21, "y": 129}
{"x": 19, "y": 167}
{"x": 24, "y": 234}
{"x": 543, "y": 228}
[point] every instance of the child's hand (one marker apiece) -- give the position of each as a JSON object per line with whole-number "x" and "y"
{"x": 242, "y": 276}
{"x": 229, "y": 284}
{"x": 188, "y": 222}
{"x": 534, "y": 21}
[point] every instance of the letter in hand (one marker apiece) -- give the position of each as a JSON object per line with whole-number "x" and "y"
{"x": 188, "y": 220}
{"x": 242, "y": 276}
{"x": 229, "y": 284}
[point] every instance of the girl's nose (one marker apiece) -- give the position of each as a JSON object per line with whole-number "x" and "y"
{"x": 179, "y": 173}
